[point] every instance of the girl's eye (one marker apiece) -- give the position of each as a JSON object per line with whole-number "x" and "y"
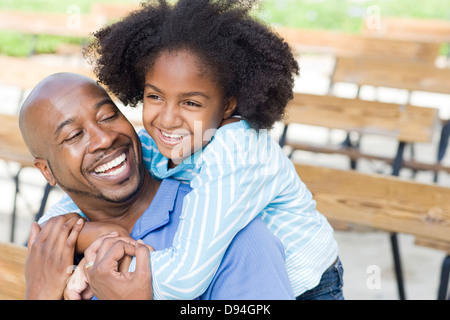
{"x": 192, "y": 104}
{"x": 153, "y": 97}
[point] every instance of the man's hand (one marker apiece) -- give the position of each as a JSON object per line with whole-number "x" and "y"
{"x": 78, "y": 286}
{"x": 105, "y": 277}
{"x": 50, "y": 256}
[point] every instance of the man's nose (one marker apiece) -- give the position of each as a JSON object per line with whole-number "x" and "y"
{"x": 99, "y": 138}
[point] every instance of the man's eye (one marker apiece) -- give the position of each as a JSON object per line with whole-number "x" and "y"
{"x": 74, "y": 136}
{"x": 109, "y": 116}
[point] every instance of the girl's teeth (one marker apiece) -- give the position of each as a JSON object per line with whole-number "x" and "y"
{"x": 101, "y": 170}
{"x": 172, "y": 136}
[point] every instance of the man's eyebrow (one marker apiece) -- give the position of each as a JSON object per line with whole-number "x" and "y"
{"x": 97, "y": 106}
{"x": 62, "y": 125}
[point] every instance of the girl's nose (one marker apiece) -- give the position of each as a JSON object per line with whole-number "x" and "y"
{"x": 169, "y": 116}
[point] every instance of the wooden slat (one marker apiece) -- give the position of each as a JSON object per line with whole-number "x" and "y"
{"x": 12, "y": 146}
{"x": 382, "y": 202}
{"x": 405, "y": 123}
{"x": 360, "y": 45}
{"x": 67, "y": 24}
{"x": 112, "y": 11}
{"x": 12, "y": 266}
{"x": 25, "y": 73}
{"x": 429, "y": 30}
{"x": 393, "y": 74}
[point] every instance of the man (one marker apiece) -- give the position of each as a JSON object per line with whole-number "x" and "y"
{"x": 83, "y": 143}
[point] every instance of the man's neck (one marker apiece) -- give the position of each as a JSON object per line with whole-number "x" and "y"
{"x": 126, "y": 213}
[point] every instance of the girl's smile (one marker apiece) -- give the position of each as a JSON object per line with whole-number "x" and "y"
{"x": 181, "y": 102}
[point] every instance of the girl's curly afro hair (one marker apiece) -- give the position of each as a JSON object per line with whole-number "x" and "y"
{"x": 247, "y": 59}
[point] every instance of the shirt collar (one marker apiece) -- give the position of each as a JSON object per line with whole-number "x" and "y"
{"x": 157, "y": 214}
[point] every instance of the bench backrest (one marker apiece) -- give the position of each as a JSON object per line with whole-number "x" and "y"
{"x": 12, "y": 146}
{"x": 431, "y": 30}
{"x": 25, "y": 73}
{"x": 72, "y": 24}
{"x": 392, "y": 73}
{"x": 405, "y": 123}
{"x": 383, "y": 202}
{"x": 357, "y": 45}
{"x": 12, "y": 266}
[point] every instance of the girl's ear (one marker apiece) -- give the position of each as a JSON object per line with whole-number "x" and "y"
{"x": 43, "y": 167}
{"x": 230, "y": 107}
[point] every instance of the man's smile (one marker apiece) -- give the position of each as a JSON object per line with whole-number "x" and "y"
{"x": 113, "y": 167}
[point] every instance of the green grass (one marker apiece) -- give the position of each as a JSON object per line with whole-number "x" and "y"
{"x": 60, "y": 6}
{"x": 340, "y": 15}
{"x": 22, "y": 45}
{"x": 347, "y": 15}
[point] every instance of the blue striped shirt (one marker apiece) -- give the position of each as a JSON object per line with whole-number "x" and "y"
{"x": 240, "y": 174}
{"x": 253, "y": 266}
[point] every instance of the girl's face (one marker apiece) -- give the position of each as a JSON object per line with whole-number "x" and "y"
{"x": 182, "y": 105}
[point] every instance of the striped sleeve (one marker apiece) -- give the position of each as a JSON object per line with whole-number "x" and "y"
{"x": 63, "y": 206}
{"x": 242, "y": 171}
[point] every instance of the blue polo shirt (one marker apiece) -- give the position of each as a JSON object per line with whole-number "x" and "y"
{"x": 253, "y": 266}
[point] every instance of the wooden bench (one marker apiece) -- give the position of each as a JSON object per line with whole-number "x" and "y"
{"x": 25, "y": 73}
{"x": 383, "y": 202}
{"x": 428, "y": 30}
{"x": 338, "y": 44}
{"x": 12, "y": 267}
{"x": 71, "y": 24}
{"x": 399, "y": 75}
{"x": 406, "y": 124}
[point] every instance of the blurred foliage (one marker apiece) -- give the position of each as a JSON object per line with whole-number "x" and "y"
{"x": 341, "y": 15}
{"x": 54, "y": 5}
{"x": 347, "y": 15}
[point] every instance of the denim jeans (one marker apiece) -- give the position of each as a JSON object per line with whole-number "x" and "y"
{"x": 330, "y": 285}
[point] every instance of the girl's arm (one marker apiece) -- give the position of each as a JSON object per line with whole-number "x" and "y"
{"x": 242, "y": 172}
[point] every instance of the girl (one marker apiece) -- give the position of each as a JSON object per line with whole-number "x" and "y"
{"x": 212, "y": 81}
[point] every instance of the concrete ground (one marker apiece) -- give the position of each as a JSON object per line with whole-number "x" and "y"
{"x": 366, "y": 255}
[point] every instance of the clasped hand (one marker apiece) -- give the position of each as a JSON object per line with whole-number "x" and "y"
{"x": 49, "y": 265}
{"x": 103, "y": 272}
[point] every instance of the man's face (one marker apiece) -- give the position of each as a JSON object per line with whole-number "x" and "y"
{"x": 92, "y": 150}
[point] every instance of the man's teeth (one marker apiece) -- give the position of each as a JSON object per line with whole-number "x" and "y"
{"x": 102, "y": 170}
{"x": 172, "y": 136}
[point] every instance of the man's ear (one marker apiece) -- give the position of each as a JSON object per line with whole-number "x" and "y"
{"x": 43, "y": 167}
{"x": 230, "y": 107}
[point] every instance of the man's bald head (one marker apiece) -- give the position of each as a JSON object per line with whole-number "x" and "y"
{"x": 49, "y": 94}
{"x": 81, "y": 141}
